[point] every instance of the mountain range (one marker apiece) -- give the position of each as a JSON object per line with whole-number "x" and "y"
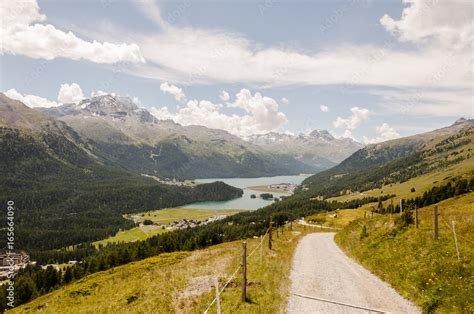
{"x": 319, "y": 149}
{"x": 62, "y": 186}
{"x": 135, "y": 139}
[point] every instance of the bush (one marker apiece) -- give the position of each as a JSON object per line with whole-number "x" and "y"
{"x": 147, "y": 222}
{"x": 406, "y": 218}
{"x": 364, "y": 233}
{"x": 253, "y": 196}
{"x": 413, "y": 189}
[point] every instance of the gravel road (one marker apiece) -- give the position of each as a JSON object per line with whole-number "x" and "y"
{"x": 322, "y": 270}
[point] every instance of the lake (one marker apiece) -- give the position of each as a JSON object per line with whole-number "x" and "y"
{"x": 245, "y": 202}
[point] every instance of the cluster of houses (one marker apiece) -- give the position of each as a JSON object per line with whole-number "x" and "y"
{"x": 173, "y": 181}
{"x": 12, "y": 260}
{"x": 191, "y": 223}
{"x": 290, "y": 187}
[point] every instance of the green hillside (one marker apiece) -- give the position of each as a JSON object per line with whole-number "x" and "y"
{"x": 380, "y": 165}
{"x": 420, "y": 267}
{"x": 61, "y": 188}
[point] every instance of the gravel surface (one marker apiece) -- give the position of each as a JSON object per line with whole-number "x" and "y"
{"x": 322, "y": 270}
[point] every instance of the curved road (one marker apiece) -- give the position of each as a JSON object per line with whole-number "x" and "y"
{"x": 322, "y": 271}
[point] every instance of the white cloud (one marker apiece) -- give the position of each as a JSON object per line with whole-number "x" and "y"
{"x": 23, "y": 33}
{"x": 348, "y": 134}
{"x": 177, "y": 92}
{"x": 383, "y": 133}
{"x": 193, "y": 55}
{"x": 70, "y": 93}
{"x": 31, "y": 101}
{"x": 359, "y": 116}
{"x": 324, "y": 108}
{"x": 285, "y": 100}
{"x": 224, "y": 96}
{"x": 261, "y": 114}
{"x": 439, "y": 22}
{"x": 430, "y": 102}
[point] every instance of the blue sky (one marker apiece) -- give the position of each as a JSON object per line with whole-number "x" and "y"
{"x": 383, "y": 69}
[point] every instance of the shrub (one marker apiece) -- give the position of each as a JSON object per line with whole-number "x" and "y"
{"x": 364, "y": 233}
{"x": 147, "y": 222}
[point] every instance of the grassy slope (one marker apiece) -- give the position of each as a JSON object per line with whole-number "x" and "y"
{"x": 180, "y": 282}
{"x": 132, "y": 235}
{"x": 420, "y": 268}
{"x": 163, "y": 217}
{"x": 421, "y": 183}
{"x": 169, "y": 215}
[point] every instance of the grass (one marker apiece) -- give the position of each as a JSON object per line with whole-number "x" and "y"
{"x": 421, "y": 183}
{"x": 343, "y": 218}
{"x": 162, "y": 217}
{"x": 169, "y": 215}
{"x": 132, "y": 235}
{"x": 421, "y": 268}
{"x": 182, "y": 282}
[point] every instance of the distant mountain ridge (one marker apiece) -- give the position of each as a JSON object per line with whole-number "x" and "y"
{"x": 135, "y": 139}
{"x": 318, "y": 149}
{"x": 397, "y": 160}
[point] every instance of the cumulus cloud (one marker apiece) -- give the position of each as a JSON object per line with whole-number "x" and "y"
{"x": 359, "y": 116}
{"x": 224, "y": 96}
{"x": 70, "y": 93}
{"x": 31, "y": 101}
{"x": 261, "y": 114}
{"x": 383, "y": 133}
{"x": 177, "y": 92}
{"x": 347, "y": 134}
{"x": 428, "y": 21}
{"x": 324, "y": 108}
{"x": 285, "y": 100}
{"x": 24, "y": 32}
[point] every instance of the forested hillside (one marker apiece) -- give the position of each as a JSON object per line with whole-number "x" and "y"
{"x": 60, "y": 188}
{"x": 395, "y": 161}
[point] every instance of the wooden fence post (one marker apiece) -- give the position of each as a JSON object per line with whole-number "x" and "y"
{"x": 436, "y": 234}
{"x": 401, "y": 207}
{"x": 218, "y": 299}
{"x": 244, "y": 271}
{"x": 416, "y": 216}
{"x": 455, "y": 239}
{"x": 277, "y": 231}
{"x": 291, "y": 225}
{"x": 270, "y": 234}
{"x": 261, "y": 251}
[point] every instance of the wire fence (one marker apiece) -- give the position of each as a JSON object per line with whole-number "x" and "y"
{"x": 235, "y": 272}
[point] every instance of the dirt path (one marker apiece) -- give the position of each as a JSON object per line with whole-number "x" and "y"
{"x": 321, "y": 270}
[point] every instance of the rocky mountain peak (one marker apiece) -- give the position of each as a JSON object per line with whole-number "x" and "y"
{"x": 324, "y": 134}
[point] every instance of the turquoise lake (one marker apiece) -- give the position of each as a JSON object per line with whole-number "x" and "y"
{"x": 245, "y": 202}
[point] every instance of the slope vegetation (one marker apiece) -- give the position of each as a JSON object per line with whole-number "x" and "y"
{"x": 420, "y": 267}
{"x": 63, "y": 188}
{"x": 386, "y": 163}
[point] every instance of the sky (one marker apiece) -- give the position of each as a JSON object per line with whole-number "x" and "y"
{"x": 365, "y": 69}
